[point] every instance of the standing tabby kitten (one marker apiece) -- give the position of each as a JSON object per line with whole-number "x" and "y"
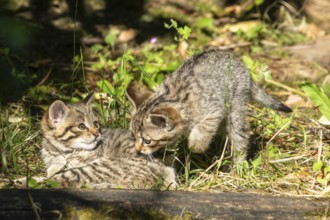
{"x": 77, "y": 153}
{"x": 207, "y": 89}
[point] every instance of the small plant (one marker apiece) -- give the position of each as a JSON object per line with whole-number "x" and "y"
{"x": 115, "y": 89}
{"x": 183, "y": 32}
{"x": 156, "y": 64}
{"x": 322, "y": 172}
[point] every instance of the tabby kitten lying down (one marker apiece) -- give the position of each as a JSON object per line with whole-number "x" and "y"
{"x": 77, "y": 153}
{"x": 207, "y": 89}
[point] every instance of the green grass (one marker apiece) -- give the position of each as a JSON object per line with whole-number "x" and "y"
{"x": 20, "y": 144}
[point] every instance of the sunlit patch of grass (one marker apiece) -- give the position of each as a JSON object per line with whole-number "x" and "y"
{"x": 289, "y": 161}
{"x": 290, "y": 155}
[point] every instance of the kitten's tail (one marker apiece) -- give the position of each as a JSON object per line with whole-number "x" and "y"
{"x": 263, "y": 98}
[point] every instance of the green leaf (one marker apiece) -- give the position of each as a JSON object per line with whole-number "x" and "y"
{"x": 32, "y": 183}
{"x": 258, "y": 2}
{"x": 326, "y": 89}
{"x": 75, "y": 100}
{"x": 204, "y": 22}
{"x": 256, "y": 163}
{"x": 317, "y": 166}
{"x": 184, "y": 32}
{"x": 318, "y": 97}
{"x": 105, "y": 86}
{"x": 4, "y": 51}
{"x": 51, "y": 183}
{"x": 273, "y": 152}
{"x": 149, "y": 82}
{"x": 326, "y": 170}
{"x": 174, "y": 23}
{"x": 160, "y": 77}
{"x": 111, "y": 37}
{"x": 254, "y": 32}
{"x": 167, "y": 26}
{"x": 96, "y": 48}
{"x": 151, "y": 68}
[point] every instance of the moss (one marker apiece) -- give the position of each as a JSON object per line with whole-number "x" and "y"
{"x": 113, "y": 213}
{"x": 319, "y": 214}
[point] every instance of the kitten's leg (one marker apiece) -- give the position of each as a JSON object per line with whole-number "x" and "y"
{"x": 69, "y": 179}
{"x": 237, "y": 130}
{"x": 201, "y": 135}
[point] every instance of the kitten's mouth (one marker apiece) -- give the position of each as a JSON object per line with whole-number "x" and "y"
{"x": 98, "y": 143}
{"x": 96, "y": 140}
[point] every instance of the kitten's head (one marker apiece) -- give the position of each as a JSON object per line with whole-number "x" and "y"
{"x": 154, "y": 125}
{"x": 72, "y": 126}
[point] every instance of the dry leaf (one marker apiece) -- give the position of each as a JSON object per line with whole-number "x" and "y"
{"x": 295, "y": 100}
{"x": 15, "y": 119}
{"x": 127, "y": 35}
{"x": 243, "y": 26}
{"x": 311, "y": 30}
{"x": 324, "y": 121}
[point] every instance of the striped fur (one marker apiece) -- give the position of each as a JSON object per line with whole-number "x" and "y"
{"x": 207, "y": 89}
{"x": 79, "y": 155}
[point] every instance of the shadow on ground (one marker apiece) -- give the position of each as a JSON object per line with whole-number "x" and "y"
{"x": 42, "y": 37}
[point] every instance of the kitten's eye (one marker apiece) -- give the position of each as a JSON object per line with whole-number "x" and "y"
{"x": 146, "y": 141}
{"x": 96, "y": 124}
{"x": 82, "y": 126}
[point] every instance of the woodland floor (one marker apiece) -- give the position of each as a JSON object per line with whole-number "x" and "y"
{"x": 59, "y": 58}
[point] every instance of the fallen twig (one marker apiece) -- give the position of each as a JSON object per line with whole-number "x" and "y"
{"x": 288, "y": 159}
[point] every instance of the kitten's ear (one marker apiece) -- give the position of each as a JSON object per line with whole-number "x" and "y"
{"x": 89, "y": 99}
{"x": 137, "y": 93}
{"x": 56, "y": 113}
{"x": 159, "y": 120}
{"x": 166, "y": 118}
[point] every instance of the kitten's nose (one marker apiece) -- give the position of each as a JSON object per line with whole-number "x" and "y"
{"x": 95, "y": 133}
{"x": 138, "y": 147}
